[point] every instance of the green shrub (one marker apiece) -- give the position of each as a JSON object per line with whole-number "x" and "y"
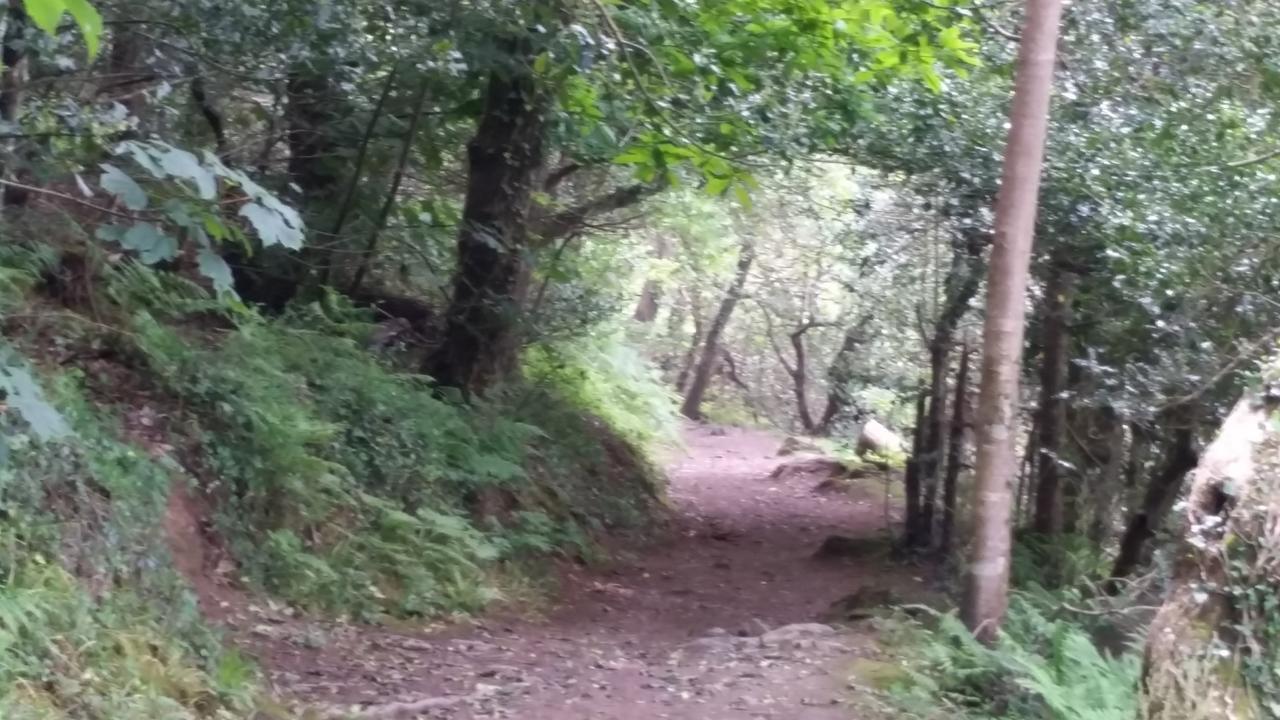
{"x": 604, "y": 377}
{"x": 1044, "y": 666}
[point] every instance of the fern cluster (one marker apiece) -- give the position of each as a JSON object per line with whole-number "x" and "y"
{"x": 1045, "y": 666}
{"x": 93, "y": 626}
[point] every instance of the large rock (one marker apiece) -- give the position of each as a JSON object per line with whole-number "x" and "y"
{"x": 878, "y": 439}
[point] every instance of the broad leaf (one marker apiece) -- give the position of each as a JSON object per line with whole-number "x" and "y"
{"x": 211, "y": 265}
{"x": 115, "y": 181}
{"x": 272, "y": 227}
{"x": 151, "y": 244}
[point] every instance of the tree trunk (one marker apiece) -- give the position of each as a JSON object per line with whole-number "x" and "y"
{"x": 800, "y": 382}
{"x": 1107, "y": 486}
{"x": 1135, "y": 466}
{"x": 13, "y": 89}
{"x": 1055, "y": 355}
{"x": 840, "y": 375}
{"x": 691, "y": 355}
{"x": 406, "y": 150}
{"x": 931, "y": 452}
{"x": 1162, "y": 492}
{"x": 1213, "y": 633}
{"x": 692, "y": 407}
{"x": 987, "y": 589}
{"x": 480, "y": 340}
{"x": 955, "y": 453}
{"x": 651, "y": 292}
{"x": 310, "y": 117}
{"x": 911, "y": 477}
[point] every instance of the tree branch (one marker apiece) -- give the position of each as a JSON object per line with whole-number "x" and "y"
{"x": 570, "y": 220}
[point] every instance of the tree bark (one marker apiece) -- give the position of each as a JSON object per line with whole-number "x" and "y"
{"x": 1218, "y": 617}
{"x": 480, "y": 339}
{"x": 987, "y": 590}
{"x": 14, "y": 73}
{"x": 955, "y": 453}
{"x": 406, "y": 148}
{"x": 1161, "y": 494}
{"x": 931, "y": 451}
{"x": 1054, "y": 359}
{"x": 690, "y": 356}
{"x": 692, "y": 406}
{"x": 840, "y": 375}
{"x": 1107, "y": 486}
{"x": 651, "y": 292}
{"x": 911, "y": 476}
{"x": 962, "y": 281}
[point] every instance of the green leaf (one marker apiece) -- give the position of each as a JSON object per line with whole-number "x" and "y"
{"x": 211, "y": 265}
{"x": 716, "y": 185}
{"x": 150, "y": 243}
{"x": 45, "y": 13}
{"x": 182, "y": 164}
{"x": 272, "y": 227}
{"x": 21, "y": 392}
{"x": 90, "y": 22}
{"x": 115, "y": 181}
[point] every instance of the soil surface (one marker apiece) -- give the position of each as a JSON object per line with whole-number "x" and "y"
{"x": 720, "y": 619}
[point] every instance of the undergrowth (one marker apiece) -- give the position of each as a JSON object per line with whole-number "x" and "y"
{"x": 346, "y": 484}
{"x": 1047, "y": 664}
{"x": 338, "y": 480}
{"x": 93, "y": 623}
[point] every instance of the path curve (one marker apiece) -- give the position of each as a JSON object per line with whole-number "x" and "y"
{"x": 714, "y": 622}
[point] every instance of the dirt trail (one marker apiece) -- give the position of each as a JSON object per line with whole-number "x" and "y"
{"x": 702, "y": 624}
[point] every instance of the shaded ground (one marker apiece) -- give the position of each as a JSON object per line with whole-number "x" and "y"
{"x": 702, "y": 624}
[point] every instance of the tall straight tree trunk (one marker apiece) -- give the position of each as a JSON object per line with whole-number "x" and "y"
{"x": 911, "y": 477}
{"x": 1052, "y": 415}
{"x": 987, "y": 591}
{"x": 955, "y": 453}
{"x": 931, "y": 453}
{"x": 1162, "y": 492}
{"x": 480, "y": 341}
{"x": 963, "y": 279}
{"x": 701, "y": 379}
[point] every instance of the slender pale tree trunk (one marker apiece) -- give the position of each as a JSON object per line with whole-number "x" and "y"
{"x": 987, "y": 591}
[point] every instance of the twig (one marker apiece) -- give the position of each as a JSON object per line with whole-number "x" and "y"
{"x": 69, "y": 198}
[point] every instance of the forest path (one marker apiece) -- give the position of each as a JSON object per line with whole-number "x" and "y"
{"x": 701, "y": 624}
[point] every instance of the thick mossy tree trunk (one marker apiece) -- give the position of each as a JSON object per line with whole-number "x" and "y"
{"x": 480, "y": 340}
{"x": 701, "y": 379}
{"x": 1211, "y": 651}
